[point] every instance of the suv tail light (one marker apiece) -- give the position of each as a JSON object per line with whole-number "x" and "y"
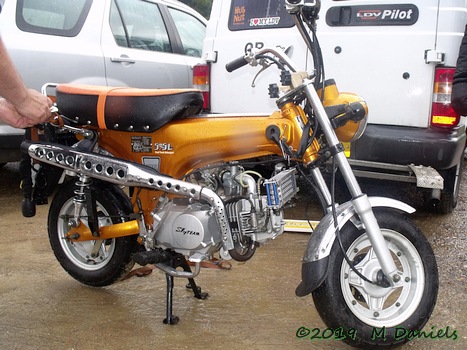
{"x": 442, "y": 114}
{"x": 201, "y": 75}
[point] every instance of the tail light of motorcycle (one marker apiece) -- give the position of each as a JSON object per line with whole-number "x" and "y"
{"x": 201, "y": 79}
{"x": 442, "y": 114}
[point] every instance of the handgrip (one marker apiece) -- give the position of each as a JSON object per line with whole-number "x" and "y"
{"x": 235, "y": 64}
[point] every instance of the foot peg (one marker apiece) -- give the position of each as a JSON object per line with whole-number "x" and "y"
{"x": 150, "y": 257}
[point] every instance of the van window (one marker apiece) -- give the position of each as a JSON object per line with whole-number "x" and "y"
{"x": 190, "y": 30}
{"x": 139, "y": 25}
{"x": 54, "y": 17}
{"x": 259, "y": 14}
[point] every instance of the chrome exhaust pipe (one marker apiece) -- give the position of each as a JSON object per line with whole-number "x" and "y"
{"x": 126, "y": 173}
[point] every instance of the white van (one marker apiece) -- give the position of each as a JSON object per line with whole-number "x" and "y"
{"x": 399, "y": 56}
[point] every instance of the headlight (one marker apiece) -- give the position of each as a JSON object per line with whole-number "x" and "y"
{"x": 348, "y": 112}
{"x": 356, "y": 124}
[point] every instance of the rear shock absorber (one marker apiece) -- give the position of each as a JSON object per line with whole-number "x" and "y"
{"x": 79, "y": 200}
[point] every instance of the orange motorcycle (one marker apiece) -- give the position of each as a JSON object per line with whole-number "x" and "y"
{"x": 140, "y": 175}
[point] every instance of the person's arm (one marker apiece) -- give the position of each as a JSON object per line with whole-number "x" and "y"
{"x": 29, "y": 104}
{"x": 11, "y": 85}
{"x": 459, "y": 84}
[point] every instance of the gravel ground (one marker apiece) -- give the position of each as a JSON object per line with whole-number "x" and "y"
{"x": 252, "y": 306}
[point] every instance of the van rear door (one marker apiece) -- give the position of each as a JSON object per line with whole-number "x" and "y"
{"x": 386, "y": 52}
{"x": 235, "y": 27}
{"x": 369, "y": 47}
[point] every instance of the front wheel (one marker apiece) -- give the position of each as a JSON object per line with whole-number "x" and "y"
{"x": 379, "y": 316}
{"x": 96, "y": 263}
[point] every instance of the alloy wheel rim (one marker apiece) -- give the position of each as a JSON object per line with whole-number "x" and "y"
{"x": 80, "y": 253}
{"x": 375, "y": 305}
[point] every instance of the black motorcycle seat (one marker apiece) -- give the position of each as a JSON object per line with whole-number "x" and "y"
{"x": 126, "y": 109}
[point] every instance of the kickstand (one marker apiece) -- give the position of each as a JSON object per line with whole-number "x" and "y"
{"x": 179, "y": 260}
{"x": 170, "y": 318}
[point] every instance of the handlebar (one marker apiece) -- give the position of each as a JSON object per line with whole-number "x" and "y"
{"x": 236, "y": 63}
{"x": 254, "y": 58}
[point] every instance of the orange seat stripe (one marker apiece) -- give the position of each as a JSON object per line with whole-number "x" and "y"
{"x": 101, "y": 108}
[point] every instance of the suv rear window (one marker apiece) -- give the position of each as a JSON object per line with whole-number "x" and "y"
{"x": 259, "y": 14}
{"x": 54, "y": 17}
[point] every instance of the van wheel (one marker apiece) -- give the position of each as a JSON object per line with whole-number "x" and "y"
{"x": 450, "y": 193}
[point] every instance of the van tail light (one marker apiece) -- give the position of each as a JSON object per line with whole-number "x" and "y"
{"x": 201, "y": 77}
{"x": 442, "y": 114}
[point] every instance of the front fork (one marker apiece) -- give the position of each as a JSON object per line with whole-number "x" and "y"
{"x": 359, "y": 200}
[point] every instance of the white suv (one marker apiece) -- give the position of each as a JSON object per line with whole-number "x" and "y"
{"x": 138, "y": 43}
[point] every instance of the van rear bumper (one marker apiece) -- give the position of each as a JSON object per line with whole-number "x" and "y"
{"x": 440, "y": 149}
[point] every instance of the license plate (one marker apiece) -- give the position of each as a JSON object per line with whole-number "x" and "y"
{"x": 346, "y": 148}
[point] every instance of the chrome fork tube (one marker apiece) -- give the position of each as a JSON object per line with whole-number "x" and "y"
{"x": 360, "y": 201}
{"x": 321, "y": 183}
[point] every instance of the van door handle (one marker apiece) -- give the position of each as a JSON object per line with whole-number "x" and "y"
{"x": 122, "y": 59}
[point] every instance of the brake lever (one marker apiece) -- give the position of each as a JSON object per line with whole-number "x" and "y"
{"x": 264, "y": 65}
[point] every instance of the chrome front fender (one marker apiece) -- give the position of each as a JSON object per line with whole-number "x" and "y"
{"x": 316, "y": 257}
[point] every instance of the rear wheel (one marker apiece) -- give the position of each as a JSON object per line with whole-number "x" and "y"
{"x": 378, "y": 315}
{"x": 99, "y": 262}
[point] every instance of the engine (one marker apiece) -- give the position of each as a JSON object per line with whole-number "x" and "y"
{"x": 253, "y": 205}
{"x": 187, "y": 227}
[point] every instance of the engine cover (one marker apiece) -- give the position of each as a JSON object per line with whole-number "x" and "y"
{"x": 188, "y": 228}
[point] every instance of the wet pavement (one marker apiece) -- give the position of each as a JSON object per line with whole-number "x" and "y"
{"x": 250, "y": 306}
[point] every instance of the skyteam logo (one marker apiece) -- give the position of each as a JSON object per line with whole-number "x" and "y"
{"x": 265, "y": 21}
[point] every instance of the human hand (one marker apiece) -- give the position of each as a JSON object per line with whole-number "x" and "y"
{"x": 10, "y": 115}
{"x": 34, "y": 106}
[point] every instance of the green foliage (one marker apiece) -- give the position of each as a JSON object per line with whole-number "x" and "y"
{"x": 202, "y": 6}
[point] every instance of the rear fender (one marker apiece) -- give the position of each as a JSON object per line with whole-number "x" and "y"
{"x": 316, "y": 257}
{"x": 46, "y": 182}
